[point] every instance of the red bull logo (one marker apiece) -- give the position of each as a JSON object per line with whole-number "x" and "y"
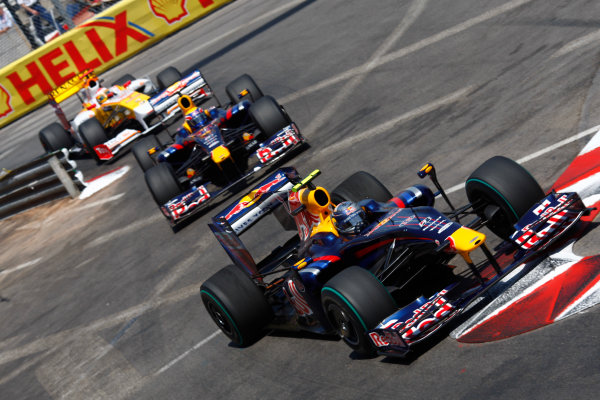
{"x": 252, "y": 197}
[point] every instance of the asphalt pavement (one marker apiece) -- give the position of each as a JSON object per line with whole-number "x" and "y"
{"x": 100, "y": 298}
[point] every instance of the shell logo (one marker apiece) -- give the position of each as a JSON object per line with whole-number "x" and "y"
{"x": 169, "y": 10}
{"x": 5, "y": 107}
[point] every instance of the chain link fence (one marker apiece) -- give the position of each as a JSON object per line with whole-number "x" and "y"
{"x": 35, "y": 22}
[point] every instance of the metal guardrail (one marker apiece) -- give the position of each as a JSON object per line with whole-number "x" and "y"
{"x": 39, "y": 181}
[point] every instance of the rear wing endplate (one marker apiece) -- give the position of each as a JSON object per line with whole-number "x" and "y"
{"x": 71, "y": 87}
{"x": 233, "y": 246}
{"x": 193, "y": 85}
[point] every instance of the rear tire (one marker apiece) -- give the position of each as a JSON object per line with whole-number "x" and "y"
{"x": 92, "y": 133}
{"x": 163, "y": 183}
{"x": 54, "y": 137}
{"x": 140, "y": 152}
{"x": 241, "y": 83}
{"x": 355, "y": 302}
{"x": 237, "y": 305}
{"x": 359, "y": 186}
{"x": 501, "y": 182}
{"x": 268, "y": 116}
{"x": 167, "y": 77}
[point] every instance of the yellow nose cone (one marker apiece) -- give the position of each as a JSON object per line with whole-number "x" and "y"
{"x": 465, "y": 240}
{"x": 220, "y": 154}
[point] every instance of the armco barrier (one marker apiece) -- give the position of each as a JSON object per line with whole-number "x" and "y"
{"x": 99, "y": 43}
{"x": 39, "y": 181}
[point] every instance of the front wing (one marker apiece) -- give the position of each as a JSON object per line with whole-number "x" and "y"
{"x": 270, "y": 153}
{"x": 543, "y": 225}
{"x": 108, "y": 150}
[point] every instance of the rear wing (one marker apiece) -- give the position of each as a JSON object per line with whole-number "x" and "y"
{"x": 71, "y": 87}
{"x": 246, "y": 211}
{"x": 265, "y": 197}
{"x": 193, "y": 85}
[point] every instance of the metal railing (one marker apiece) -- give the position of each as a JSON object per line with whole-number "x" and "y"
{"x": 39, "y": 181}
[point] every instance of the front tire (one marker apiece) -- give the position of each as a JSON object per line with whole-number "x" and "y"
{"x": 92, "y": 133}
{"x": 237, "y": 305}
{"x": 163, "y": 183}
{"x": 54, "y": 137}
{"x": 140, "y": 152}
{"x": 355, "y": 302}
{"x": 359, "y": 186}
{"x": 268, "y": 116}
{"x": 167, "y": 77}
{"x": 501, "y": 192}
{"x": 238, "y": 85}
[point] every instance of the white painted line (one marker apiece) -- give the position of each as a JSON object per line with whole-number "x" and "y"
{"x": 511, "y": 5}
{"x": 186, "y": 353}
{"x": 543, "y": 151}
{"x": 386, "y": 126}
{"x": 20, "y": 267}
{"x": 101, "y": 202}
{"x": 590, "y": 38}
{"x": 539, "y": 283}
{"x": 593, "y": 143}
{"x": 343, "y": 94}
{"x": 133, "y": 227}
{"x": 180, "y": 269}
{"x": 589, "y": 299}
{"x": 8, "y": 150}
{"x": 591, "y": 200}
{"x": 103, "y": 181}
{"x": 559, "y": 144}
{"x": 587, "y": 187}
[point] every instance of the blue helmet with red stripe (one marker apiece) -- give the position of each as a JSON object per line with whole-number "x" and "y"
{"x": 349, "y": 218}
{"x": 197, "y": 119}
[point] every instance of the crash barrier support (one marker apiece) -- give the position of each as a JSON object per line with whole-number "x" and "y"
{"x": 39, "y": 181}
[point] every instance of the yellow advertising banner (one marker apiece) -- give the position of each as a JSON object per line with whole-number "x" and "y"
{"x": 99, "y": 43}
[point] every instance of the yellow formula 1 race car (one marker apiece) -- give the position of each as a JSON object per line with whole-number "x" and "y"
{"x": 112, "y": 117}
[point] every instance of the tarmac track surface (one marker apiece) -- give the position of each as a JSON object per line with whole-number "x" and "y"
{"x": 100, "y": 298}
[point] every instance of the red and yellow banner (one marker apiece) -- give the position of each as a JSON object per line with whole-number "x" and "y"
{"x": 98, "y": 44}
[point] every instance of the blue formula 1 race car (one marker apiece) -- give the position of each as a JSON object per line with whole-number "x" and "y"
{"x": 379, "y": 270}
{"x": 218, "y": 150}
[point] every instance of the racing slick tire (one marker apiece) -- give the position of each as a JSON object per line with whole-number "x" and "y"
{"x": 237, "y": 305}
{"x": 54, "y": 137}
{"x": 92, "y": 133}
{"x": 163, "y": 183}
{"x": 124, "y": 79}
{"x": 355, "y": 301}
{"x": 359, "y": 186}
{"x": 268, "y": 116}
{"x": 241, "y": 83}
{"x": 502, "y": 191}
{"x": 140, "y": 152}
{"x": 167, "y": 77}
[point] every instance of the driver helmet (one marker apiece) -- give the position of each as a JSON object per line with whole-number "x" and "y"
{"x": 101, "y": 95}
{"x": 197, "y": 119}
{"x": 349, "y": 218}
